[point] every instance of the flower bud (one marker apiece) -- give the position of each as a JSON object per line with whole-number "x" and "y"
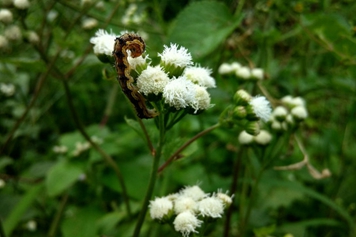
{"x": 242, "y": 97}
{"x": 253, "y": 128}
{"x": 280, "y": 113}
{"x": 299, "y": 112}
{"x": 263, "y": 138}
{"x": 245, "y": 138}
{"x": 239, "y": 112}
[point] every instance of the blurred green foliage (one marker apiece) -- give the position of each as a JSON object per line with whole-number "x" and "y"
{"x": 306, "y": 48}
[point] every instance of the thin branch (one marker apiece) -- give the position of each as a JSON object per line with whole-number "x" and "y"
{"x": 185, "y": 145}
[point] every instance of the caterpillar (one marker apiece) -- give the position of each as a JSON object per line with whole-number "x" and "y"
{"x": 134, "y": 43}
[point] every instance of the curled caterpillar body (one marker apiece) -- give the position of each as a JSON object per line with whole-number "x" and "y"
{"x": 134, "y": 43}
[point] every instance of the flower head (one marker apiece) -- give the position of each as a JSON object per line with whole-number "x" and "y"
{"x": 6, "y": 16}
{"x": 89, "y": 23}
{"x": 226, "y": 199}
{"x": 13, "y": 33}
{"x": 184, "y": 203}
{"x": 261, "y": 107}
{"x": 201, "y": 99}
{"x": 4, "y": 42}
{"x": 152, "y": 80}
{"x": 160, "y": 207}
{"x": 299, "y": 112}
{"x": 263, "y": 138}
{"x": 194, "y": 192}
{"x": 7, "y": 89}
{"x": 186, "y": 223}
{"x": 243, "y": 72}
{"x": 257, "y": 73}
{"x": 174, "y": 59}
{"x": 179, "y": 93}
{"x": 21, "y": 4}
{"x": 200, "y": 76}
{"x": 211, "y": 207}
{"x": 245, "y": 138}
{"x": 103, "y": 42}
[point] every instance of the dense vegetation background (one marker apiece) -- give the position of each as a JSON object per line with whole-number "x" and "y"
{"x": 307, "y": 48}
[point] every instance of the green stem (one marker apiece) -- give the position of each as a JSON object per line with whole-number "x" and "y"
{"x": 2, "y": 231}
{"x": 153, "y": 177}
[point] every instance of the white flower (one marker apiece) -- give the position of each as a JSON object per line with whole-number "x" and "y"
{"x": 280, "y": 111}
{"x": 201, "y": 99}
{"x": 6, "y": 16}
{"x": 245, "y": 138}
{"x": 186, "y": 223}
{"x": 137, "y": 61}
{"x": 89, "y": 23}
{"x": 299, "y": 112}
{"x": 13, "y": 33}
{"x": 173, "y": 55}
{"x": 257, "y": 73}
{"x": 200, "y": 76}
{"x": 211, "y": 207}
{"x": 21, "y": 4}
{"x": 195, "y": 192}
{"x": 261, "y": 107}
{"x": 263, "y": 138}
{"x": 4, "y": 43}
{"x": 33, "y": 37}
{"x": 103, "y": 42}
{"x": 243, "y": 72}
{"x": 152, "y": 80}
{"x": 184, "y": 203}
{"x": 276, "y": 125}
{"x": 179, "y": 93}
{"x": 225, "y": 68}
{"x": 226, "y": 199}
{"x": 52, "y": 15}
{"x": 7, "y": 89}
{"x": 160, "y": 207}
{"x": 60, "y": 149}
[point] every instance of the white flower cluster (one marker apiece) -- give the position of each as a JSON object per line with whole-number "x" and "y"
{"x": 180, "y": 84}
{"x": 103, "y": 43}
{"x": 241, "y": 72}
{"x": 188, "y": 207}
{"x": 289, "y": 114}
{"x": 263, "y": 138}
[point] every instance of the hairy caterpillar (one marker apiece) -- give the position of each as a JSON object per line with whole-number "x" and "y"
{"x": 134, "y": 43}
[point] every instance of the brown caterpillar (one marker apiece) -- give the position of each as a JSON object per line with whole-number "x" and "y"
{"x": 134, "y": 43}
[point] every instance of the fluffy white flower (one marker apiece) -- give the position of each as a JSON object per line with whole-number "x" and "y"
{"x": 186, "y": 223}
{"x": 7, "y": 89}
{"x": 211, "y": 207}
{"x": 263, "y": 138}
{"x": 160, "y": 207}
{"x": 6, "y": 16}
{"x": 21, "y": 4}
{"x": 175, "y": 55}
{"x": 243, "y": 72}
{"x": 179, "y": 93}
{"x": 184, "y": 203}
{"x": 194, "y": 192}
{"x": 300, "y": 112}
{"x": 261, "y": 107}
{"x": 200, "y": 76}
{"x": 201, "y": 99}
{"x": 226, "y": 199}
{"x": 152, "y": 80}
{"x": 136, "y": 62}
{"x": 89, "y": 23}
{"x": 257, "y": 73}
{"x": 245, "y": 138}
{"x": 13, "y": 33}
{"x": 103, "y": 42}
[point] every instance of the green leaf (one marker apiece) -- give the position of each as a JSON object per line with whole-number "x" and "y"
{"x": 203, "y": 26}
{"x": 82, "y": 223}
{"x": 61, "y": 176}
{"x": 15, "y": 216}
